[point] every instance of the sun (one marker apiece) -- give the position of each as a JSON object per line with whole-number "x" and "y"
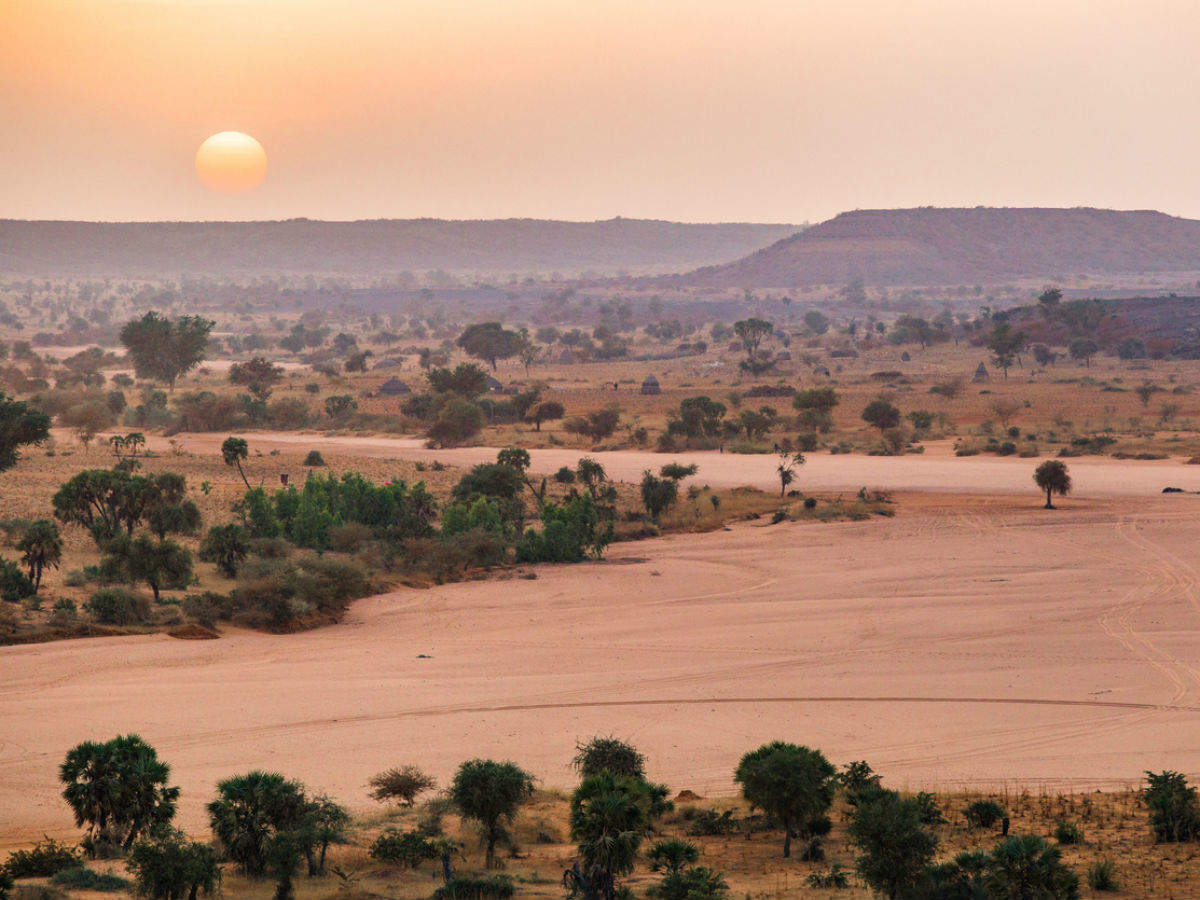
{"x": 231, "y": 162}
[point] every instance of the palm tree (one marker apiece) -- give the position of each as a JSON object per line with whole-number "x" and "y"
{"x": 40, "y": 546}
{"x": 609, "y": 817}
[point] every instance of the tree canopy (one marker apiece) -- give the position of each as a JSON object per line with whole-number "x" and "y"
{"x": 162, "y": 349}
{"x": 20, "y": 426}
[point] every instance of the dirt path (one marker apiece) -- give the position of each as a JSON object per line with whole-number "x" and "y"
{"x": 936, "y": 470}
{"x": 951, "y": 645}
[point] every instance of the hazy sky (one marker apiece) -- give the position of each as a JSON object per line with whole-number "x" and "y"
{"x": 765, "y": 110}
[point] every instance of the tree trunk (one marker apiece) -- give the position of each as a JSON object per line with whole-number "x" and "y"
{"x": 787, "y": 842}
{"x": 1049, "y": 505}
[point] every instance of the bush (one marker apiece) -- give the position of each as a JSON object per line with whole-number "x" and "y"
{"x": 349, "y": 537}
{"x": 206, "y": 608}
{"x": 1102, "y": 876}
{"x": 314, "y": 459}
{"x": 480, "y": 887}
{"x": 1068, "y": 833}
{"x": 710, "y": 823}
{"x": 608, "y": 754}
{"x": 84, "y": 879}
{"x": 406, "y": 848}
{"x": 118, "y": 606}
{"x": 305, "y": 516}
{"x": 227, "y": 546}
{"x": 835, "y": 879}
{"x": 1174, "y": 810}
{"x": 15, "y": 585}
{"x": 458, "y": 421}
{"x": 983, "y": 814}
{"x": 43, "y": 859}
{"x": 280, "y": 594}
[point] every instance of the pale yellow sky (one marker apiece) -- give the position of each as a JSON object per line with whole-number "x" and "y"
{"x": 765, "y": 110}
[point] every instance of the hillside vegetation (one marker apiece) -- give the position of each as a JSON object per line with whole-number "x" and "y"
{"x": 930, "y": 246}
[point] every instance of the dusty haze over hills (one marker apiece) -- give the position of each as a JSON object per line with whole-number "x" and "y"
{"x": 370, "y": 247}
{"x": 965, "y": 246}
{"x": 700, "y": 110}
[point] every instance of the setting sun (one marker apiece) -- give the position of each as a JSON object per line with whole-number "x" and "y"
{"x": 231, "y": 162}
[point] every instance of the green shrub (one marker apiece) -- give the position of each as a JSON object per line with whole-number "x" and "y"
{"x": 276, "y": 594}
{"x": 314, "y": 459}
{"x": 1068, "y": 833}
{"x": 406, "y": 848}
{"x": 479, "y": 887}
{"x": 710, "y": 823}
{"x": 43, "y": 859}
{"x": 15, "y": 585}
{"x": 983, "y": 813}
{"x": 1174, "y": 810}
{"x": 570, "y": 531}
{"x": 1102, "y": 876}
{"x": 118, "y": 606}
{"x": 85, "y": 879}
{"x": 835, "y": 879}
{"x": 207, "y": 607}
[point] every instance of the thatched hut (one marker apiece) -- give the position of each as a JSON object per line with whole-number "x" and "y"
{"x": 981, "y": 374}
{"x": 651, "y": 386}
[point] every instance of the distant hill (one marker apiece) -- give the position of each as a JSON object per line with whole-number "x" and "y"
{"x": 371, "y": 247}
{"x": 931, "y": 246}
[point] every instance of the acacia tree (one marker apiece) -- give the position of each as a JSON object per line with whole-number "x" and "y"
{"x": 546, "y": 412}
{"x": 881, "y": 414}
{"x": 162, "y": 349}
{"x": 490, "y": 793}
{"x": 20, "y": 426}
{"x": 41, "y": 546}
{"x": 1051, "y": 476}
{"x": 792, "y": 784}
{"x": 118, "y": 789}
{"x": 490, "y": 341}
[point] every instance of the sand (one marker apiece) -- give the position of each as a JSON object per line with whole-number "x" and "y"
{"x": 935, "y": 470}
{"x": 961, "y": 643}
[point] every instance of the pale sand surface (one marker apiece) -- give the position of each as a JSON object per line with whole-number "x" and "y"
{"x": 935, "y": 470}
{"x": 963, "y": 642}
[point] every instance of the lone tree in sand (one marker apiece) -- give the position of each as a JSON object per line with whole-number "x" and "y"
{"x": 1051, "y": 476}
{"x": 490, "y": 792}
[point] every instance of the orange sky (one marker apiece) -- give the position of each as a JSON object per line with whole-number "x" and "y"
{"x": 700, "y": 110}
